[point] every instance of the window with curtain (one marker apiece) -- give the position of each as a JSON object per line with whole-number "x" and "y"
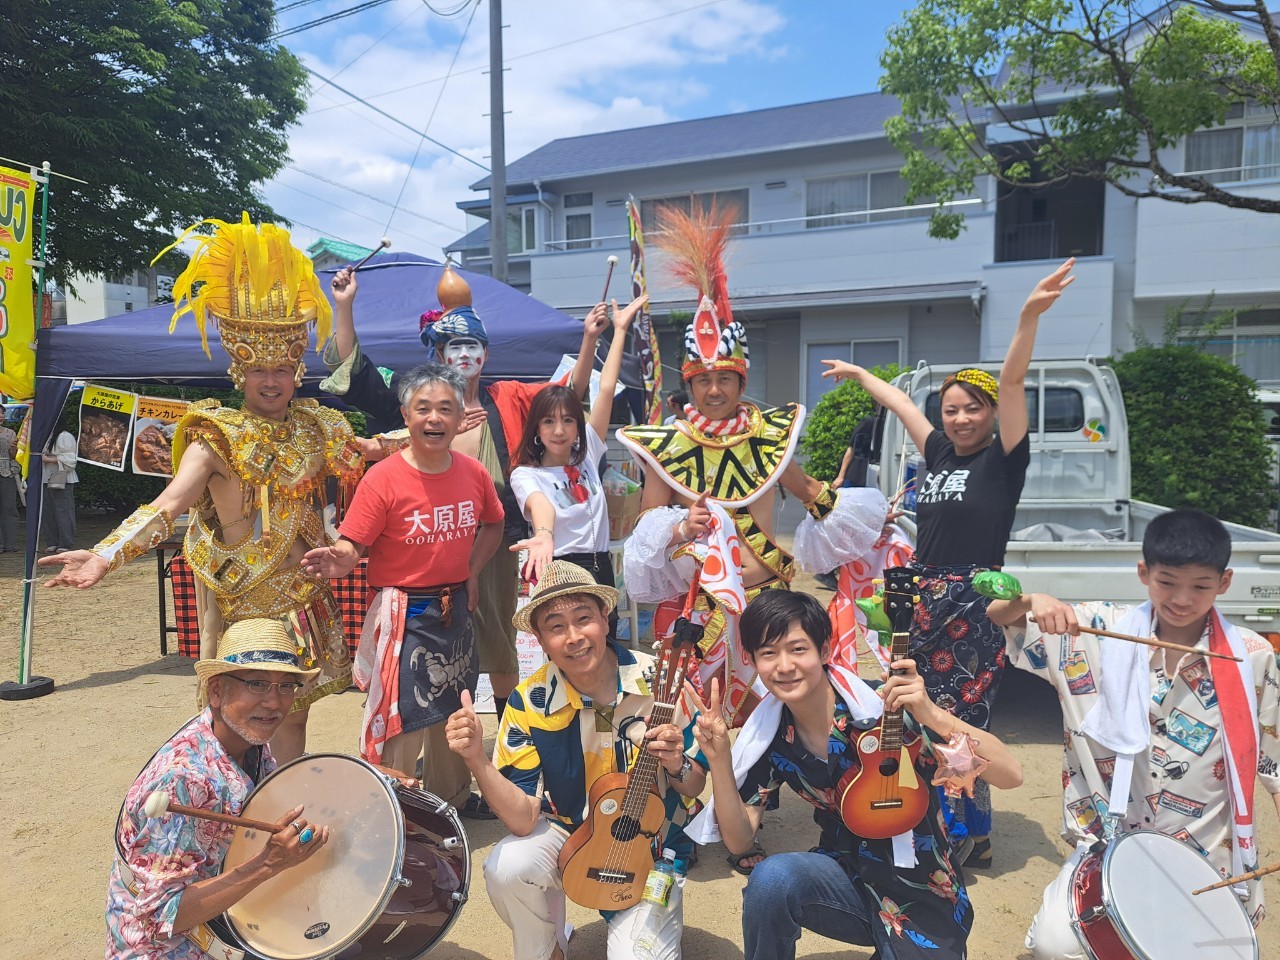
{"x": 1247, "y": 148}
{"x": 739, "y": 199}
{"x": 835, "y": 195}
{"x": 577, "y": 231}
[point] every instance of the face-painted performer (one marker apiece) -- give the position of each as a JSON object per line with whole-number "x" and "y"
{"x": 730, "y": 452}
{"x": 253, "y": 479}
{"x": 492, "y": 425}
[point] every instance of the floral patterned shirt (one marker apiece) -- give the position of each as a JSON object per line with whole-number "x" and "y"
{"x": 166, "y": 855}
{"x": 924, "y": 910}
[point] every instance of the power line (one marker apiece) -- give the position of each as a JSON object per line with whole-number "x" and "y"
{"x": 354, "y": 213}
{"x": 395, "y": 120}
{"x": 398, "y": 24}
{"x": 369, "y": 196}
{"x": 434, "y": 107}
{"x": 539, "y": 51}
{"x": 330, "y": 18}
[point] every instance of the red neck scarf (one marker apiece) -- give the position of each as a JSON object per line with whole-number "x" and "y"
{"x": 577, "y": 489}
{"x": 738, "y": 423}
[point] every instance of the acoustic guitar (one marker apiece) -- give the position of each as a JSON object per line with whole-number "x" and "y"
{"x": 884, "y": 796}
{"x": 605, "y": 862}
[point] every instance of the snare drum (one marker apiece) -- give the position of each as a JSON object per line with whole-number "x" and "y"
{"x": 392, "y": 877}
{"x": 1133, "y": 900}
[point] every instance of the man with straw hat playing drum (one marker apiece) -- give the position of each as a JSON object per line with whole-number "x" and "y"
{"x": 256, "y": 477}
{"x": 167, "y": 880}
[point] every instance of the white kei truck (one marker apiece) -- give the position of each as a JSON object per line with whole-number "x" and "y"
{"x": 1077, "y": 533}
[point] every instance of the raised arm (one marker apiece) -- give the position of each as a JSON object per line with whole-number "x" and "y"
{"x": 84, "y": 568}
{"x": 592, "y": 327}
{"x": 344, "y": 319}
{"x": 1012, "y": 408}
{"x": 888, "y": 396}
{"x": 613, "y": 365}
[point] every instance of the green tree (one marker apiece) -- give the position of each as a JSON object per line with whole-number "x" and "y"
{"x": 172, "y": 110}
{"x": 831, "y": 421}
{"x": 1101, "y": 89}
{"x": 1196, "y": 428}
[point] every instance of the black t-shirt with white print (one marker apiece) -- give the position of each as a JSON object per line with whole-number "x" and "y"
{"x": 965, "y": 504}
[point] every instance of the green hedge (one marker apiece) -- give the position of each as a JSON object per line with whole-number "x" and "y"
{"x": 831, "y": 421}
{"x": 1197, "y": 434}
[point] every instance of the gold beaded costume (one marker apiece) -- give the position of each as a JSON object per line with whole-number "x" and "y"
{"x": 282, "y": 468}
{"x": 264, "y": 296}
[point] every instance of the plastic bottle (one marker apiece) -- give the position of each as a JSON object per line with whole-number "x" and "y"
{"x": 655, "y": 905}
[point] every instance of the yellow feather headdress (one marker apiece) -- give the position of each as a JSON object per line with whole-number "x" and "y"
{"x": 261, "y": 291}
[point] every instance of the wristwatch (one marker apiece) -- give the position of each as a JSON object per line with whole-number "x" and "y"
{"x": 685, "y": 766}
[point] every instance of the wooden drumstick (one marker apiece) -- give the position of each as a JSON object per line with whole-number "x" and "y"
{"x": 1231, "y": 881}
{"x": 382, "y": 245}
{"x": 159, "y": 805}
{"x": 1149, "y": 641}
{"x": 613, "y": 262}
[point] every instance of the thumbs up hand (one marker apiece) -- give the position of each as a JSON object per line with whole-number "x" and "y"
{"x": 464, "y": 733}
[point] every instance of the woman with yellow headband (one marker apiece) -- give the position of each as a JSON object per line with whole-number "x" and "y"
{"x": 974, "y": 471}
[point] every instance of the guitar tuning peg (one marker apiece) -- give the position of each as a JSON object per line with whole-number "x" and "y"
{"x": 879, "y": 581}
{"x": 915, "y": 579}
{"x": 916, "y": 598}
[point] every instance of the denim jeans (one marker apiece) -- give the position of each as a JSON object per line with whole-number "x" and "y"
{"x": 791, "y": 891}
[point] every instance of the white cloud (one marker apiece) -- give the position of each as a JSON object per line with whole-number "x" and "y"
{"x": 554, "y": 87}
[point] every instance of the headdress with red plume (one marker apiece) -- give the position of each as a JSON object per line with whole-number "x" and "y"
{"x": 694, "y": 245}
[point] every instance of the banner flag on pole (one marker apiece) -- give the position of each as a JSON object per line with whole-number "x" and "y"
{"x": 17, "y": 290}
{"x": 646, "y": 335}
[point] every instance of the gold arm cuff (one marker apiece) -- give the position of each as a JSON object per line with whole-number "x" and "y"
{"x": 823, "y": 503}
{"x": 142, "y": 531}
{"x": 392, "y": 442}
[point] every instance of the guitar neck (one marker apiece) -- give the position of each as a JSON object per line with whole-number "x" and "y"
{"x": 891, "y": 722}
{"x": 644, "y": 773}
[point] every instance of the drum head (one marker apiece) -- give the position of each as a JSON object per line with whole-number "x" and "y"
{"x": 321, "y": 906}
{"x": 1147, "y": 879}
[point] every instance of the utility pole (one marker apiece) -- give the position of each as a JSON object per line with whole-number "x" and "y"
{"x": 497, "y": 150}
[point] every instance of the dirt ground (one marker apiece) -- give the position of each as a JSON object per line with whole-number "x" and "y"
{"x": 70, "y": 757}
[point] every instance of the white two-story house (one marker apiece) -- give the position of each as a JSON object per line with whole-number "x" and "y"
{"x": 831, "y": 263}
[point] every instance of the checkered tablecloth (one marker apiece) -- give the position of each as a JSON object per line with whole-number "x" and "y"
{"x": 352, "y": 593}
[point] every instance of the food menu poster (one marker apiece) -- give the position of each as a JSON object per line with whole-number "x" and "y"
{"x": 106, "y": 421}
{"x": 153, "y": 429}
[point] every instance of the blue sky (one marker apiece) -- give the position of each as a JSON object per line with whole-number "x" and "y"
{"x": 574, "y": 67}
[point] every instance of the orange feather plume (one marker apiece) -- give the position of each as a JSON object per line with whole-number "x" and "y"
{"x": 694, "y": 246}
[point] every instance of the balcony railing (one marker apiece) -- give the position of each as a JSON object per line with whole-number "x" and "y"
{"x": 1026, "y": 241}
{"x": 784, "y": 225}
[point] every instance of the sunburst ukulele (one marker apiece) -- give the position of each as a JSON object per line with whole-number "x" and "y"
{"x": 605, "y": 862}
{"x": 884, "y": 797}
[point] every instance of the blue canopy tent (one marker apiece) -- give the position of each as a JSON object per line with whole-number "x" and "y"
{"x": 527, "y": 339}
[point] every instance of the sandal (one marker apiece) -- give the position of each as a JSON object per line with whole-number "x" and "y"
{"x": 735, "y": 860}
{"x": 477, "y": 809}
{"x": 980, "y": 856}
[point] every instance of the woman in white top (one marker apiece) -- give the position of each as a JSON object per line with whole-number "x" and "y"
{"x": 556, "y": 479}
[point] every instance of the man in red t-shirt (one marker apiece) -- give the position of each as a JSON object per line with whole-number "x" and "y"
{"x": 429, "y": 519}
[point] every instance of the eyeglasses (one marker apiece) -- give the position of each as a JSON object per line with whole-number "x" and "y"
{"x": 287, "y": 688}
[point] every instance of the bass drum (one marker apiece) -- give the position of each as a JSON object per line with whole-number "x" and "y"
{"x": 387, "y": 886}
{"x": 1133, "y": 901}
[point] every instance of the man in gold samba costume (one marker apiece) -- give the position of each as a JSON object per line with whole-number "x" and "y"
{"x": 254, "y": 479}
{"x": 733, "y": 453}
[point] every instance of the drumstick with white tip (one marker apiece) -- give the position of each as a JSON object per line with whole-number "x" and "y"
{"x": 383, "y": 244}
{"x": 613, "y": 262}
{"x": 159, "y": 805}
{"x": 1232, "y": 881}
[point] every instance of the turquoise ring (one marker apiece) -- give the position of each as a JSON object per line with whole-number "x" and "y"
{"x": 306, "y": 835}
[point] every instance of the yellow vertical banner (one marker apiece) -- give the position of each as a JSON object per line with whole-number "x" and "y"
{"x": 17, "y": 295}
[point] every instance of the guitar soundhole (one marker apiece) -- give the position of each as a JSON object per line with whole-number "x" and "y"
{"x": 888, "y": 766}
{"x": 625, "y": 829}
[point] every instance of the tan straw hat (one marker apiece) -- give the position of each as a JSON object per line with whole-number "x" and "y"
{"x": 560, "y": 579}
{"x": 258, "y": 644}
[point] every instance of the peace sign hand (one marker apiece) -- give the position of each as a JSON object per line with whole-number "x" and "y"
{"x": 711, "y": 732}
